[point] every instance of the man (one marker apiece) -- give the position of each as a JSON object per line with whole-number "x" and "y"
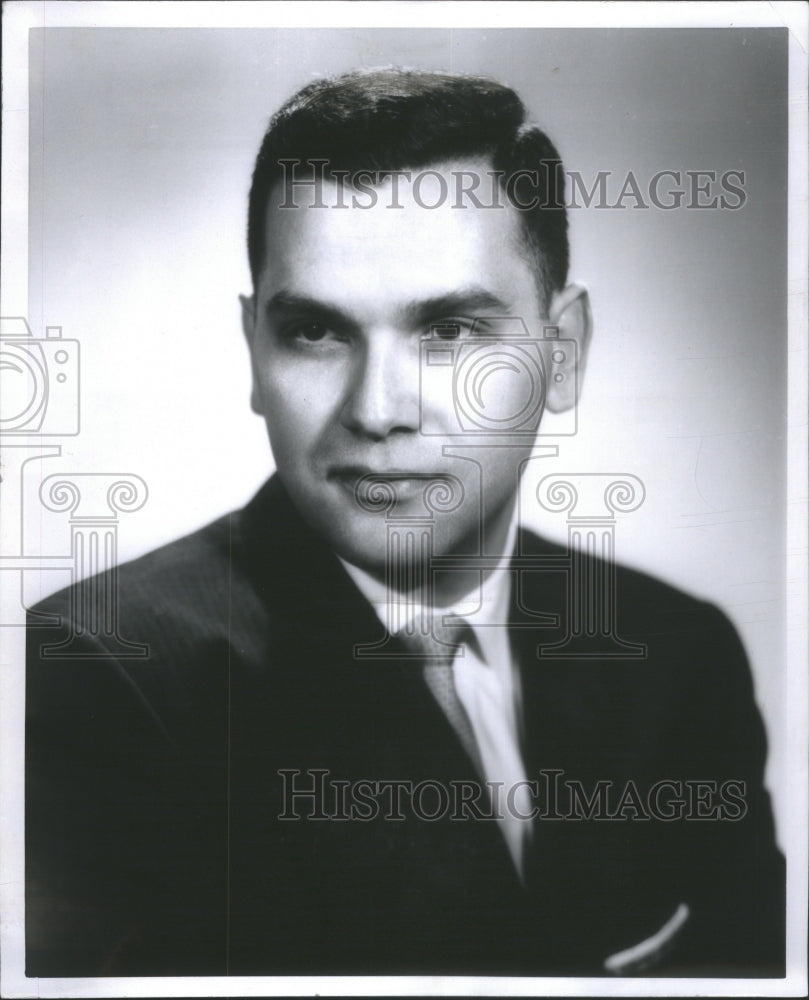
{"x": 356, "y": 745}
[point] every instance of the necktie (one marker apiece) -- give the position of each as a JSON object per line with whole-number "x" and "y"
{"x": 438, "y": 676}
{"x": 504, "y": 762}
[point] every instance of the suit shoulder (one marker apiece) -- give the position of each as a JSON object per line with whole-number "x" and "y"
{"x": 637, "y": 580}
{"x": 641, "y": 595}
{"x": 685, "y": 637}
{"x": 187, "y": 569}
{"x": 159, "y": 632}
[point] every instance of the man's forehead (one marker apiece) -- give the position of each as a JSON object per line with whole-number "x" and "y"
{"x": 409, "y": 231}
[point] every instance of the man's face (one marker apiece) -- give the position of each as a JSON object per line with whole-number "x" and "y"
{"x": 342, "y": 306}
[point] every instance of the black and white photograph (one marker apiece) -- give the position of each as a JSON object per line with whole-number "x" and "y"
{"x": 404, "y": 499}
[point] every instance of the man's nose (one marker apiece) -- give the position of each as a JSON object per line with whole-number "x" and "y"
{"x": 382, "y": 396}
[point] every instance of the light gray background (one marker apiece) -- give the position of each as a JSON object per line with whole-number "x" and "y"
{"x": 141, "y": 147}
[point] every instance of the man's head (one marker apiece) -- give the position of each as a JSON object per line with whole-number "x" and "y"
{"x": 412, "y": 218}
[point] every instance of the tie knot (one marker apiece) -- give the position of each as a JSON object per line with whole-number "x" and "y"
{"x": 432, "y": 640}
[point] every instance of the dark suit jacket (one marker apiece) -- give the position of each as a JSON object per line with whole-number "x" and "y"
{"x": 153, "y": 788}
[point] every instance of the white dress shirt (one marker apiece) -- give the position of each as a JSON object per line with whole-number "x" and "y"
{"x": 488, "y": 685}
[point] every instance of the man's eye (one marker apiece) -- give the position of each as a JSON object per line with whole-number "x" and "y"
{"x": 309, "y": 332}
{"x": 446, "y": 331}
{"x": 451, "y": 329}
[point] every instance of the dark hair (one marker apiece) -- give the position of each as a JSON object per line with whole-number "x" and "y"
{"x": 396, "y": 119}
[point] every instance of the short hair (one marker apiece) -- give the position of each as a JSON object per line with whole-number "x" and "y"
{"x": 394, "y": 119}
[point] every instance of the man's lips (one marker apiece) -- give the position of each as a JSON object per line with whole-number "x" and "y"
{"x": 364, "y": 483}
{"x": 354, "y": 473}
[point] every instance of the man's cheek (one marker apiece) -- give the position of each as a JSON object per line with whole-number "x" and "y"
{"x": 286, "y": 406}
{"x": 313, "y": 400}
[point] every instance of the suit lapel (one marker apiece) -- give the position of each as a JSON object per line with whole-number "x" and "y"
{"x": 319, "y": 618}
{"x": 365, "y": 717}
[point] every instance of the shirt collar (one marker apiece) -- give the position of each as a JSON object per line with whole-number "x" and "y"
{"x": 485, "y": 606}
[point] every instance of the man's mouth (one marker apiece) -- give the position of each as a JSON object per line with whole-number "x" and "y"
{"x": 373, "y": 487}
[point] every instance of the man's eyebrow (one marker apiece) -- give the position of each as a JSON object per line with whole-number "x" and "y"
{"x": 464, "y": 301}
{"x": 288, "y": 302}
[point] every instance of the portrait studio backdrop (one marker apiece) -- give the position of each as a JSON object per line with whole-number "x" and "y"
{"x": 142, "y": 143}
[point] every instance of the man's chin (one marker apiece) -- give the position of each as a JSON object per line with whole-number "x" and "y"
{"x": 375, "y": 541}
{"x": 372, "y": 544}
{"x": 399, "y": 552}
{"x": 359, "y": 539}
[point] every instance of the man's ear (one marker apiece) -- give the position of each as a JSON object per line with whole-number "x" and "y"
{"x": 565, "y": 362}
{"x": 248, "y": 304}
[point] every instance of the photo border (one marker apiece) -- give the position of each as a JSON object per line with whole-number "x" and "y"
{"x": 21, "y": 16}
